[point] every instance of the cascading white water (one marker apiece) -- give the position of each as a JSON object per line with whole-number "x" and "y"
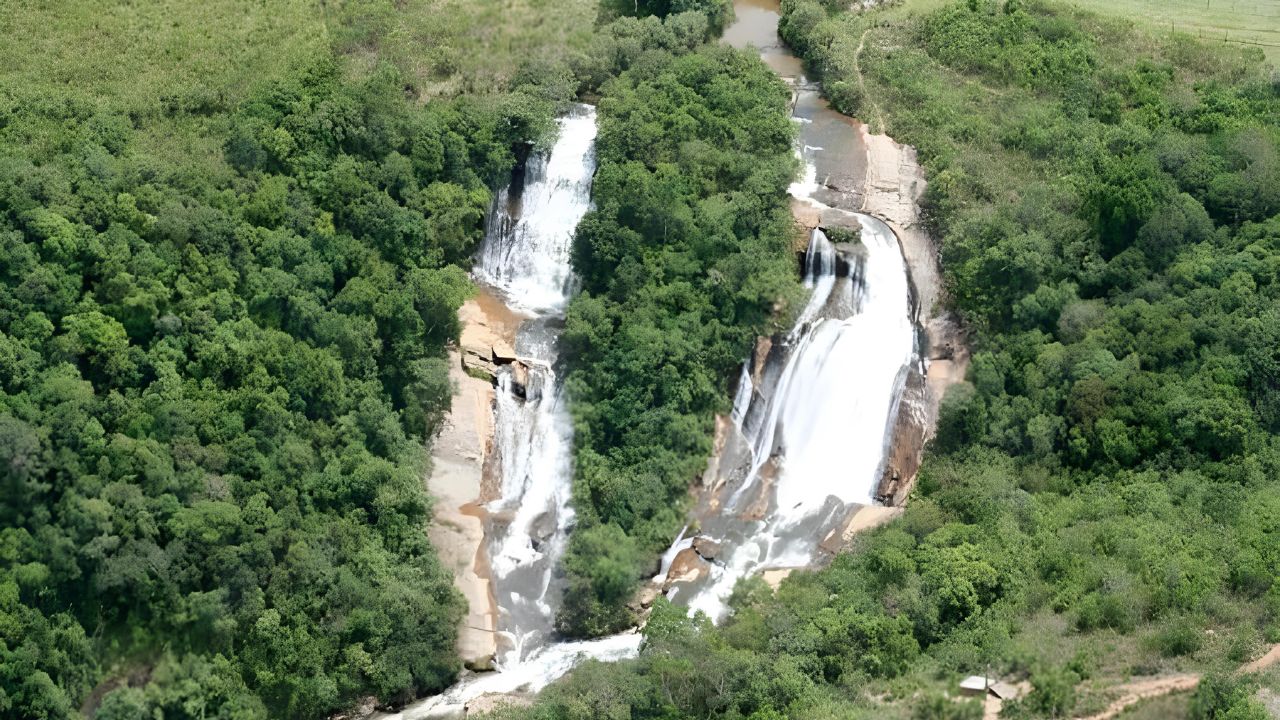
{"x": 526, "y": 258}
{"x": 823, "y": 417}
{"x": 526, "y": 252}
{"x": 824, "y": 424}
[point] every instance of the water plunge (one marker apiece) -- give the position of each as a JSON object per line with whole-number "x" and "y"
{"x": 813, "y": 417}
{"x": 817, "y": 428}
{"x": 525, "y": 257}
{"x": 812, "y": 420}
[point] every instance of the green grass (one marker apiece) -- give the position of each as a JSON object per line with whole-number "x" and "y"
{"x": 130, "y": 55}
{"x": 1248, "y": 22}
{"x": 1242, "y": 23}
{"x": 1168, "y": 707}
{"x": 466, "y": 46}
{"x": 136, "y": 54}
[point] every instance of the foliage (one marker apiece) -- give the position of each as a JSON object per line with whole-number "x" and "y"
{"x": 1222, "y": 697}
{"x": 216, "y": 393}
{"x": 1107, "y": 212}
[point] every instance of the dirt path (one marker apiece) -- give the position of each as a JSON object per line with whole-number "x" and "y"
{"x": 1271, "y": 657}
{"x": 1136, "y": 692}
{"x": 1148, "y": 688}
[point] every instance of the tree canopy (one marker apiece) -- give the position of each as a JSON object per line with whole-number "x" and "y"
{"x": 215, "y": 396}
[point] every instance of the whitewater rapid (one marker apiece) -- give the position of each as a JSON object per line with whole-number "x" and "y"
{"x": 818, "y": 428}
{"x": 526, "y": 259}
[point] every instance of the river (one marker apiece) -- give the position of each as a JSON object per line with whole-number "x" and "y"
{"x": 812, "y": 417}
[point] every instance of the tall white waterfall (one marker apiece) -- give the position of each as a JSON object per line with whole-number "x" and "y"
{"x": 526, "y": 252}
{"x": 818, "y": 429}
{"x": 525, "y": 257}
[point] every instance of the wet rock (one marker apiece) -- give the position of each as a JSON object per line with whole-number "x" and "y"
{"x": 543, "y": 526}
{"x": 480, "y": 662}
{"x": 906, "y": 447}
{"x": 687, "y": 567}
{"x": 706, "y": 548}
{"x": 503, "y": 353}
{"x": 520, "y": 379}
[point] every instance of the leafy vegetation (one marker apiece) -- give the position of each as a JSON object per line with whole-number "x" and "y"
{"x": 1103, "y": 491}
{"x": 217, "y": 377}
{"x": 682, "y": 261}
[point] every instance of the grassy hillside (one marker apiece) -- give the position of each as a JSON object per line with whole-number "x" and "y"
{"x": 176, "y": 68}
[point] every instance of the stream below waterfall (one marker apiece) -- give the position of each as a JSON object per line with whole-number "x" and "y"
{"x": 811, "y": 419}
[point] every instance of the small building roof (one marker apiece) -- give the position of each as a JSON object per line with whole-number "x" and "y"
{"x": 975, "y": 684}
{"x": 1003, "y": 690}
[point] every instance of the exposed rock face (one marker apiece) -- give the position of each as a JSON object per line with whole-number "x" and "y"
{"x": 861, "y": 519}
{"x": 910, "y": 430}
{"x": 764, "y": 346}
{"x": 895, "y": 182}
{"x": 457, "y": 532}
{"x": 774, "y": 578}
{"x": 462, "y": 455}
{"x": 488, "y": 334}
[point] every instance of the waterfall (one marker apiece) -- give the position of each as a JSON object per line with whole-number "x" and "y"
{"x": 525, "y": 257}
{"x": 823, "y": 424}
{"x": 815, "y": 420}
{"x": 530, "y": 231}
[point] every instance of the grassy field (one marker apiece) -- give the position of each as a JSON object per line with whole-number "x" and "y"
{"x": 1242, "y": 23}
{"x": 464, "y": 46}
{"x": 144, "y": 57}
{"x": 1249, "y": 22}
{"x": 131, "y": 55}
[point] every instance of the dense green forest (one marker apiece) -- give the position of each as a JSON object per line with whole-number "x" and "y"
{"x": 216, "y": 379}
{"x": 225, "y": 300}
{"x": 1102, "y": 499}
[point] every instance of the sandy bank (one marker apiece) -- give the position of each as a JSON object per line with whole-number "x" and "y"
{"x": 461, "y": 457}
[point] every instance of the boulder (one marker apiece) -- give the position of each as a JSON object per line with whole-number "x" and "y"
{"x": 707, "y": 548}
{"x": 502, "y": 352}
{"x": 543, "y": 526}
{"x": 687, "y": 567}
{"x": 480, "y": 663}
{"x": 520, "y": 379}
